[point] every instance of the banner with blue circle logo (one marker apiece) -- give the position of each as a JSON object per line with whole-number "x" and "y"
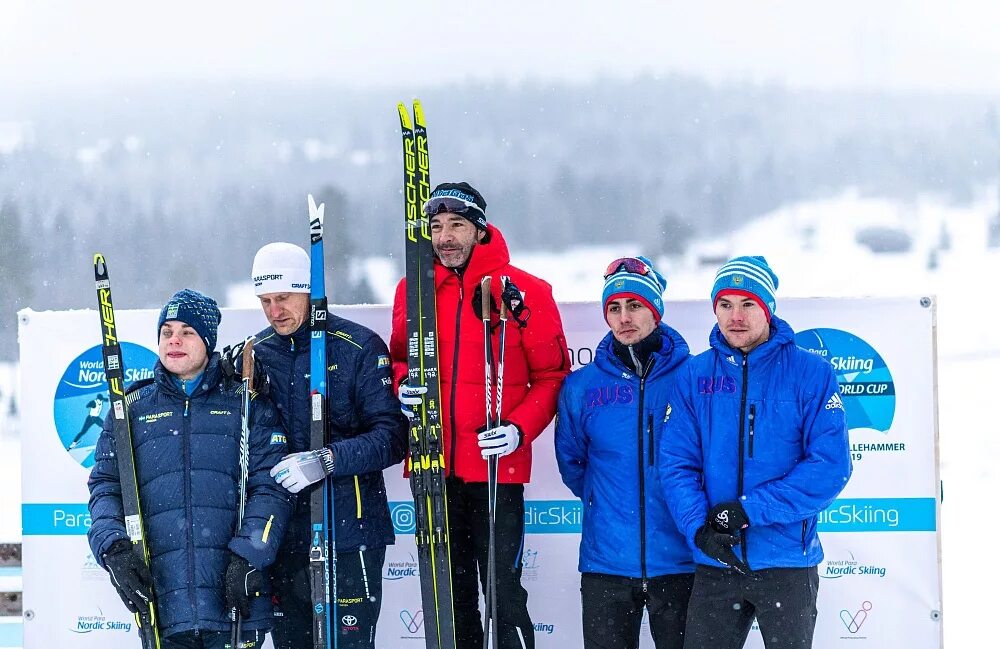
{"x": 81, "y": 400}
{"x": 866, "y": 384}
{"x": 881, "y": 577}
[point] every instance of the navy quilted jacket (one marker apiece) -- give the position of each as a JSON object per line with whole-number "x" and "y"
{"x": 367, "y": 429}
{"x": 187, "y": 465}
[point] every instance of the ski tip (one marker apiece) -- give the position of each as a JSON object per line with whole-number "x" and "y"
{"x": 315, "y": 212}
{"x": 404, "y": 116}
{"x": 98, "y": 258}
{"x": 418, "y": 112}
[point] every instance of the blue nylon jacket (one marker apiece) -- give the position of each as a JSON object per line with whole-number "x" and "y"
{"x": 608, "y": 427}
{"x": 780, "y": 405}
{"x": 187, "y": 469}
{"x": 367, "y": 428}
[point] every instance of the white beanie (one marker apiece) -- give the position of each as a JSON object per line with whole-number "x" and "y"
{"x": 280, "y": 268}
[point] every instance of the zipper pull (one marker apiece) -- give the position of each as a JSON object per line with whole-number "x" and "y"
{"x": 753, "y": 414}
{"x": 645, "y": 585}
{"x": 186, "y": 403}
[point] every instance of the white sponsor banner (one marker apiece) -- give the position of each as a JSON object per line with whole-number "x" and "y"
{"x": 880, "y": 583}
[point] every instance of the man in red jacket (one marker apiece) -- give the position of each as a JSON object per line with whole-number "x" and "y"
{"x": 466, "y": 249}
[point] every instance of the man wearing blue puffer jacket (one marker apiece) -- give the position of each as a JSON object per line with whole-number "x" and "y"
{"x": 608, "y": 427}
{"x": 755, "y": 448}
{"x": 368, "y": 433}
{"x": 186, "y": 430}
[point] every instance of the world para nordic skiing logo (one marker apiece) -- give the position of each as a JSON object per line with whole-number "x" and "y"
{"x": 81, "y": 400}
{"x": 411, "y": 621}
{"x": 396, "y": 570}
{"x": 854, "y": 621}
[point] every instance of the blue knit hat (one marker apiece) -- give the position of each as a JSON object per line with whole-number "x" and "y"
{"x": 750, "y": 277}
{"x": 198, "y": 311}
{"x": 647, "y": 288}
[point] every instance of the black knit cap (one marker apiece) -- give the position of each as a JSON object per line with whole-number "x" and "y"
{"x": 468, "y": 193}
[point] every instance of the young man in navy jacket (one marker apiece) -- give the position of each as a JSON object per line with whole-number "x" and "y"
{"x": 755, "y": 448}
{"x": 186, "y": 429}
{"x": 609, "y": 424}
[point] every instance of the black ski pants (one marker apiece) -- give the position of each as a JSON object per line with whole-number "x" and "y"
{"x": 212, "y": 640}
{"x": 613, "y": 605}
{"x": 468, "y": 520}
{"x": 359, "y": 599}
{"x": 724, "y": 604}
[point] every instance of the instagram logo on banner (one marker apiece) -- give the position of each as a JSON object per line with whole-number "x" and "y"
{"x": 854, "y": 621}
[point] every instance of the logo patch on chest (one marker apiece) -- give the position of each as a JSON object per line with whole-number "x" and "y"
{"x": 716, "y": 384}
{"x": 610, "y": 394}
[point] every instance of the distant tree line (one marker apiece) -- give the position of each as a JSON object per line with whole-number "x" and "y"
{"x": 179, "y": 186}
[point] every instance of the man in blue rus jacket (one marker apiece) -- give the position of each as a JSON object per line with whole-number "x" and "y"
{"x": 368, "y": 434}
{"x": 755, "y": 448}
{"x": 609, "y": 424}
{"x": 186, "y": 429}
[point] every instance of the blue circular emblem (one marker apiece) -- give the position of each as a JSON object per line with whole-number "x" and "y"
{"x": 866, "y": 384}
{"x": 81, "y": 402}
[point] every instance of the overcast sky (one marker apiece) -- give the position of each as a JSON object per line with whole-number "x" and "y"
{"x": 899, "y": 44}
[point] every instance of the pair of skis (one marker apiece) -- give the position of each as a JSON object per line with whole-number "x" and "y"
{"x": 493, "y": 368}
{"x": 114, "y": 370}
{"x": 426, "y": 461}
{"x": 322, "y": 553}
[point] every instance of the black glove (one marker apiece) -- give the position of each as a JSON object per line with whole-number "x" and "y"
{"x": 243, "y": 582}
{"x": 728, "y": 517}
{"x": 719, "y": 546}
{"x": 130, "y": 576}
{"x": 232, "y": 369}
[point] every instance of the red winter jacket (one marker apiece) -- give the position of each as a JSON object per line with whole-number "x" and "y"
{"x": 537, "y": 360}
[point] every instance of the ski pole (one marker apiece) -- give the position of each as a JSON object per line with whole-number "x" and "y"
{"x": 490, "y": 630}
{"x": 248, "y": 367}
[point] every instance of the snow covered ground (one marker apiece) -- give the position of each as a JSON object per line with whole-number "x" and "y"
{"x": 812, "y": 248}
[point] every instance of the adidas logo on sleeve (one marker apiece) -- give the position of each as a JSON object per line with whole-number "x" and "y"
{"x": 835, "y": 402}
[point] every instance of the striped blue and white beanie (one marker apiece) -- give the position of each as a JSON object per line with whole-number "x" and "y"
{"x": 647, "y": 288}
{"x": 198, "y": 311}
{"x": 749, "y": 276}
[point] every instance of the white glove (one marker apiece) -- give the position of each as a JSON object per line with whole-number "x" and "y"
{"x": 409, "y": 395}
{"x": 500, "y": 441}
{"x": 297, "y": 471}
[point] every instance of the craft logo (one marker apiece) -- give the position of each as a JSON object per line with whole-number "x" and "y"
{"x": 867, "y": 389}
{"x": 530, "y": 565}
{"x": 396, "y": 570}
{"x": 411, "y": 621}
{"x": 840, "y": 568}
{"x": 404, "y": 517}
{"x": 81, "y": 401}
{"x": 92, "y": 623}
{"x": 854, "y": 620}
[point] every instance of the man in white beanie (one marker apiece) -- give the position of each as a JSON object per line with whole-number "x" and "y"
{"x": 368, "y": 434}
